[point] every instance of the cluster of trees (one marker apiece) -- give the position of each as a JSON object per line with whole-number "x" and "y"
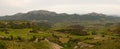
{"x": 24, "y": 24}
{"x": 74, "y": 29}
{"x": 15, "y": 24}
{"x": 115, "y": 29}
{"x": 92, "y": 29}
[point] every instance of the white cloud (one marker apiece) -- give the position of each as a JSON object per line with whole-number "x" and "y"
{"x": 86, "y": 8}
{"x": 68, "y": 6}
{"x": 118, "y": 0}
{"x": 16, "y": 3}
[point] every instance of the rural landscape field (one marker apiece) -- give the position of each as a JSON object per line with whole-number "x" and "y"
{"x": 59, "y": 24}
{"x": 43, "y": 29}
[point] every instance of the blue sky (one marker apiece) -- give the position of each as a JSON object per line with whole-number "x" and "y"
{"x": 9, "y": 7}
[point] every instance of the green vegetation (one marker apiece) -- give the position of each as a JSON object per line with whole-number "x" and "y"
{"x": 90, "y": 31}
{"x": 70, "y": 36}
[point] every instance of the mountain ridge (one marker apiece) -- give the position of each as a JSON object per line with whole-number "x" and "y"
{"x": 59, "y": 17}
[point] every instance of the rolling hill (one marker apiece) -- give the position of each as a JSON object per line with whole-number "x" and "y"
{"x": 44, "y": 15}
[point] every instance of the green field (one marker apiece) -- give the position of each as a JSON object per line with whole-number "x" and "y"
{"x": 65, "y": 36}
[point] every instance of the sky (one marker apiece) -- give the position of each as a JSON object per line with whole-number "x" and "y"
{"x": 10, "y": 7}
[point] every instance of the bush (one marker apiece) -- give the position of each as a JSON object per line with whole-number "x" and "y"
{"x": 19, "y": 38}
{"x": 42, "y": 45}
{"x": 3, "y": 45}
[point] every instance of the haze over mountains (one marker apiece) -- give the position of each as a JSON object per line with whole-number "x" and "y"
{"x": 44, "y": 15}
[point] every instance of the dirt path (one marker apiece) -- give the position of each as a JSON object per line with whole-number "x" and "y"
{"x": 54, "y": 45}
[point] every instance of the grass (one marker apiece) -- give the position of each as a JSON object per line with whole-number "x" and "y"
{"x": 63, "y": 38}
{"x": 23, "y": 33}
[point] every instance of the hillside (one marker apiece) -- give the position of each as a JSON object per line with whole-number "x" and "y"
{"x": 44, "y": 15}
{"x": 43, "y": 29}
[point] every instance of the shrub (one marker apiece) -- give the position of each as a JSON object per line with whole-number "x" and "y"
{"x": 3, "y": 45}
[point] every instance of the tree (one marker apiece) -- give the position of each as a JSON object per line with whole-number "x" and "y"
{"x": 3, "y": 45}
{"x": 34, "y": 30}
{"x": 74, "y": 29}
{"x": 115, "y": 29}
{"x": 6, "y": 30}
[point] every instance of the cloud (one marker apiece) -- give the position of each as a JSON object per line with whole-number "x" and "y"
{"x": 16, "y": 3}
{"x": 86, "y": 8}
{"x": 68, "y": 6}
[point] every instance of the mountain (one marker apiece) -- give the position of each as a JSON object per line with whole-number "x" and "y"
{"x": 44, "y": 15}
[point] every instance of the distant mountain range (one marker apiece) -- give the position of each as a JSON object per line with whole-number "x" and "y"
{"x": 44, "y": 15}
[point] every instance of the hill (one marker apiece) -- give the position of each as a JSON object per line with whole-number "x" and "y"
{"x": 44, "y": 15}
